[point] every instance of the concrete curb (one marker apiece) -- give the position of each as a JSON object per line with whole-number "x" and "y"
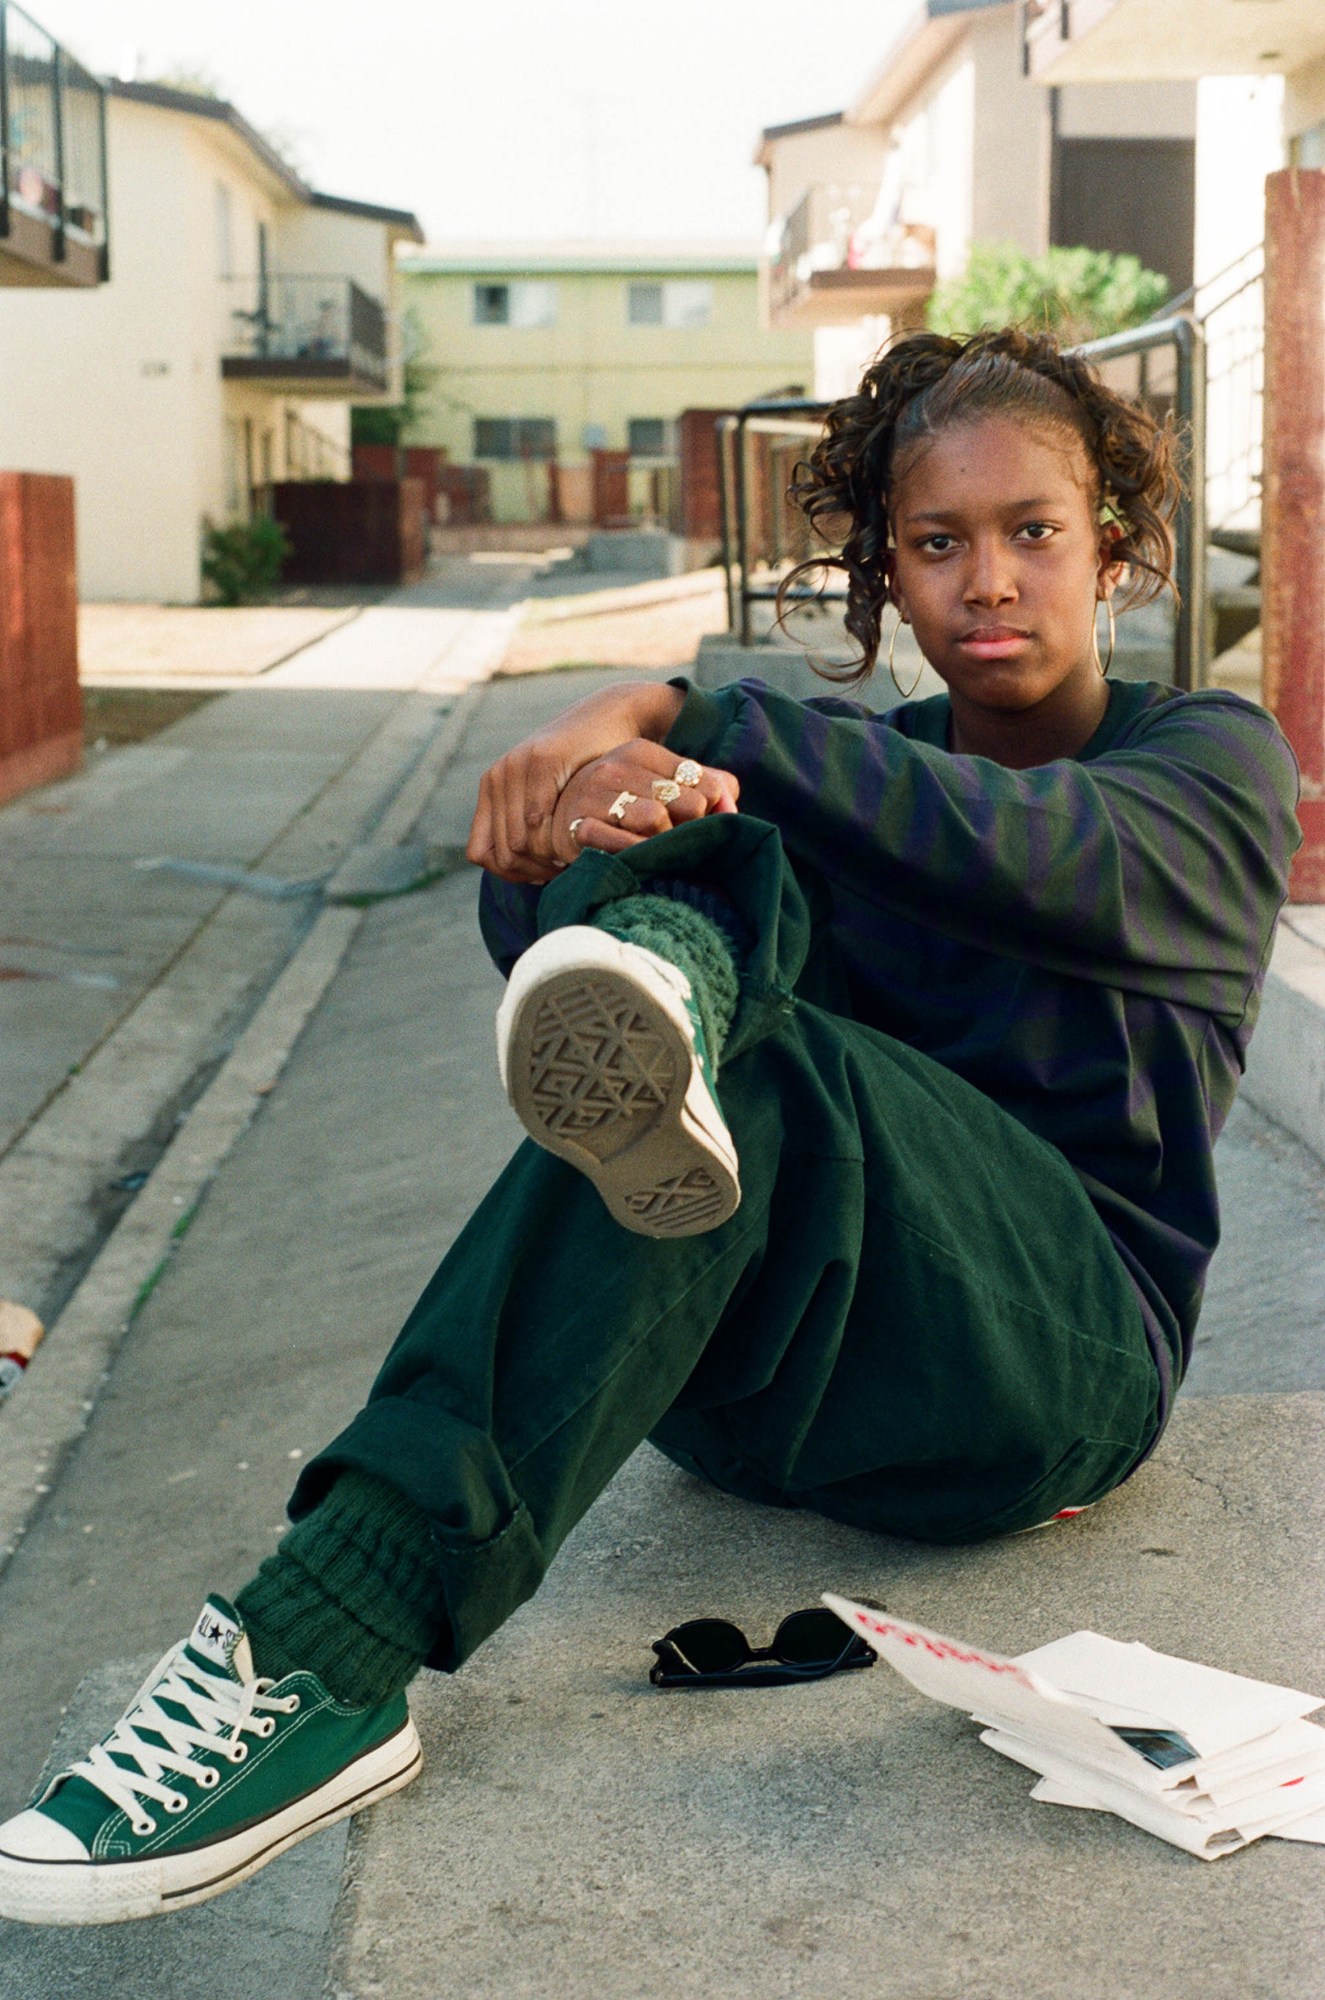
{"x": 53, "y": 1171}
{"x": 43, "y": 1422}
{"x": 1286, "y": 1068}
{"x": 59, "y": 1395}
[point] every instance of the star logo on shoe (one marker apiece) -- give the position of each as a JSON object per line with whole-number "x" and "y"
{"x": 214, "y": 1637}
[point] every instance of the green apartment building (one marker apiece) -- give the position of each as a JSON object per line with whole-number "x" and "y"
{"x": 540, "y": 353}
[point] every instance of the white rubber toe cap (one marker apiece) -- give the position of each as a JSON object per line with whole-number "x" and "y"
{"x": 34, "y": 1836}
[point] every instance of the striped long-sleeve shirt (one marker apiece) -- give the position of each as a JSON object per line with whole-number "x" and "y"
{"x": 1084, "y": 941}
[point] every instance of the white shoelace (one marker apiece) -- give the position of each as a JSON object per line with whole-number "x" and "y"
{"x": 222, "y": 1712}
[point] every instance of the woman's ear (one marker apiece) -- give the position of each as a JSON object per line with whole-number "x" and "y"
{"x": 895, "y": 596}
{"x": 1109, "y": 570}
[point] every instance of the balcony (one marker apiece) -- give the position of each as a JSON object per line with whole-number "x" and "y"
{"x": 52, "y": 160}
{"x": 1119, "y": 41}
{"x": 304, "y": 336}
{"x": 836, "y": 262}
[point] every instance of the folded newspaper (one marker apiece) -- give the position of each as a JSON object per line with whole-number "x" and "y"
{"x": 1209, "y": 1761}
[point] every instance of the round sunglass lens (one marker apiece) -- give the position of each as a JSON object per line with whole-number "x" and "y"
{"x": 710, "y": 1645}
{"x": 811, "y": 1639}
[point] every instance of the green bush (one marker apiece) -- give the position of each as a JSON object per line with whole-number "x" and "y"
{"x": 1073, "y": 294}
{"x": 244, "y": 560}
{"x": 388, "y": 423}
{"x": 377, "y": 423}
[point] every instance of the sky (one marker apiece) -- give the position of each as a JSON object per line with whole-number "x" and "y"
{"x": 511, "y": 118}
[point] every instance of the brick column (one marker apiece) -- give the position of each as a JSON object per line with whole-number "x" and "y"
{"x": 1293, "y": 506}
{"x": 41, "y": 707}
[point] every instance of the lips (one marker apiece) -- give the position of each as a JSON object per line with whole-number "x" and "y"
{"x": 993, "y": 642}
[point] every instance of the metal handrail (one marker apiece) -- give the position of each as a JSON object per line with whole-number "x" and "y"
{"x": 1185, "y": 300}
{"x": 772, "y": 416}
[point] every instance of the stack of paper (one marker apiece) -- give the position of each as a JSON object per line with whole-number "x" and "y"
{"x": 1207, "y": 1760}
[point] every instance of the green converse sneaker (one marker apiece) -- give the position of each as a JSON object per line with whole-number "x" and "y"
{"x": 208, "y": 1775}
{"x": 603, "y": 1057}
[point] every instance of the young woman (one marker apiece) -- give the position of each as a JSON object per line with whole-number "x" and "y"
{"x": 876, "y": 1063}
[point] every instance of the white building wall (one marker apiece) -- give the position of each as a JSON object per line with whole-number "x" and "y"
{"x": 1239, "y": 140}
{"x": 106, "y": 381}
{"x": 843, "y": 353}
{"x": 936, "y": 140}
{"x": 1010, "y": 141}
{"x": 1164, "y": 110}
{"x": 326, "y": 243}
{"x": 121, "y": 387}
{"x": 323, "y": 242}
{"x": 830, "y": 154}
{"x": 1304, "y": 98}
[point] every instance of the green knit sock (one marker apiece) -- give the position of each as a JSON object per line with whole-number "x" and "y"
{"x": 693, "y": 942}
{"x": 352, "y": 1595}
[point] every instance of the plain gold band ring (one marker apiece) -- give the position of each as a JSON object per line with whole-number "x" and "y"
{"x": 574, "y": 828}
{"x": 617, "y": 809}
{"x": 688, "y": 772}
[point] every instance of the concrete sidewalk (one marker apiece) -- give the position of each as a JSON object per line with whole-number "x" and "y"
{"x": 576, "y": 1833}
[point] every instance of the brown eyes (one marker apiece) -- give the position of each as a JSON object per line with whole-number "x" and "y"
{"x": 1032, "y": 531}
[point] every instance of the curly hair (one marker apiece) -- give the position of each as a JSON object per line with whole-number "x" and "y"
{"x": 925, "y": 383}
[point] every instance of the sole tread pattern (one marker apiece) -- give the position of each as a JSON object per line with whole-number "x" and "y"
{"x": 681, "y": 1205}
{"x": 597, "y": 1054}
{"x": 598, "y": 1069}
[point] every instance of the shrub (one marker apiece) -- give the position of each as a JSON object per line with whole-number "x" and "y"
{"x": 1074, "y": 294}
{"x": 243, "y": 561}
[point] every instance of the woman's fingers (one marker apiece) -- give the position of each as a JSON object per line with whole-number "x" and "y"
{"x": 530, "y": 784}
{"x": 651, "y": 771}
{"x": 526, "y": 805}
{"x": 606, "y": 836}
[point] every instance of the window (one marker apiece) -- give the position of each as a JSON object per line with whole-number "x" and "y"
{"x": 515, "y": 437}
{"x": 644, "y": 305}
{"x": 1307, "y": 149}
{"x": 526, "y": 303}
{"x": 651, "y": 437}
{"x": 680, "y": 303}
{"x": 224, "y": 232}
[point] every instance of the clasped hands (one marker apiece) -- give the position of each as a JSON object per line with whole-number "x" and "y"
{"x": 579, "y": 784}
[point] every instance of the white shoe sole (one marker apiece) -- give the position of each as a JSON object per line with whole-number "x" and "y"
{"x": 112, "y": 1892}
{"x": 597, "y": 1058}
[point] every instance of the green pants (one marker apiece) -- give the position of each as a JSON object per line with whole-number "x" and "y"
{"x": 915, "y": 1322}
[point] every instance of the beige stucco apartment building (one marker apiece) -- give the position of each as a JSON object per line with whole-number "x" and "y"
{"x": 949, "y": 142}
{"x": 244, "y": 313}
{"x": 535, "y": 353}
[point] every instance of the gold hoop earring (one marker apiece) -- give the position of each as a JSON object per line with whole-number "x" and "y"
{"x": 1095, "y": 637}
{"x": 906, "y": 693}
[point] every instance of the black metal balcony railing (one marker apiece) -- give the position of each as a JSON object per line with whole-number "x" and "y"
{"x": 832, "y": 243}
{"x": 307, "y": 329}
{"x": 52, "y": 156}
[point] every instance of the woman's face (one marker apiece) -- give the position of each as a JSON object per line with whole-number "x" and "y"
{"x": 999, "y": 563}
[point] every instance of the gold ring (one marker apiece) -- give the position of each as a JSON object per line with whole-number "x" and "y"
{"x": 617, "y": 809}
{"x": 574, "y": 828}
{"x": 665, "y": 790}
{"x": 688, "y": 772}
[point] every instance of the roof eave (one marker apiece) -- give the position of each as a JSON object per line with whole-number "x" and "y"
{"x": 220, "y": 111}
{"x": 771, "y": 134}
{"x": 913, "y": 57}
{"x": 402, "y": 224}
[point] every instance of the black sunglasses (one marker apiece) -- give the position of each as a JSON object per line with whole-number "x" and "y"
{"x": 711, "y": 1652}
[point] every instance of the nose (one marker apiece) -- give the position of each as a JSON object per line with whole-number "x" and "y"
{"x": 990, "y": 573}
